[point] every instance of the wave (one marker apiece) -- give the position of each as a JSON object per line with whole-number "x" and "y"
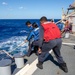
{"x": 24, "y": 31}
{"x": 13, "y": 42}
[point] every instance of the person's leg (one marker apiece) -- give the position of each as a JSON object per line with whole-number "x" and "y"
{"x": 57, "y": 53}
{"x": 41, "y": 58}
{"x": 30, "y": 49}
{"x": 36, "y": 50}
{"x": 46, "y": 47}
{"x": 35, "y": 44}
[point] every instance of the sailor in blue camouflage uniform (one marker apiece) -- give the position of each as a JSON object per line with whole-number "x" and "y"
{"x": 35, "y": 35}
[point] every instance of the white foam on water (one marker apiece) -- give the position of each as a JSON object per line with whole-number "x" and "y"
{"x": 24, "y": 31}
{"x": 13, "y": 42}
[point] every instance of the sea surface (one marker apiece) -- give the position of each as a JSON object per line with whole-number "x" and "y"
{"x": 13, "y": 32}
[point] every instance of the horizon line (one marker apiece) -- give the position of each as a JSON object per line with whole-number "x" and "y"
{"x": 28, "y": 18}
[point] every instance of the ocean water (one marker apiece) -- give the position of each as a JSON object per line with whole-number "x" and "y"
{"x": 13, "y": 32}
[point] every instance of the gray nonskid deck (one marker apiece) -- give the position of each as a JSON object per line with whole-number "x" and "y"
{"x": 51, "y": 67}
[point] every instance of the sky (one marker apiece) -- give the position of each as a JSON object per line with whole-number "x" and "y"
{"x": 32, "y": 9}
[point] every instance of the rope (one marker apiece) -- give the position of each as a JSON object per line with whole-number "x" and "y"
{"x": 17, "y": 46}
{"x": 13, "y": 49}
{"x": 8, "y": 54}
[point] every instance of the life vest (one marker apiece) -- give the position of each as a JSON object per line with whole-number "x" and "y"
{"x": 51, "y": 31}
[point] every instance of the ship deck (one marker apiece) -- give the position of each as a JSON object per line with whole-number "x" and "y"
{"x": 50, "y": 66}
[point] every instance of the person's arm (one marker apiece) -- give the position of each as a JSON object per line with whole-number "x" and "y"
{"x": 30, "y": 36}
{"x": 41, "y": 35}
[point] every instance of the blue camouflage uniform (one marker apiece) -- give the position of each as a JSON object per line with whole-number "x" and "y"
{"x": 35, "y": 35}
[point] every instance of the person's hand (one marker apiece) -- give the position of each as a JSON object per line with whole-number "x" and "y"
{"x": 39, "y": 51}
{"x": 26, "y": 41}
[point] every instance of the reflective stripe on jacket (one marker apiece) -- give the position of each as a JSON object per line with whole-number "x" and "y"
{"x": 34, "y": 34}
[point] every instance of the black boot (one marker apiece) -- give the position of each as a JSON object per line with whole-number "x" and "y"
{"x": 40, "y": 65}
{"x": 63, "y": 66}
